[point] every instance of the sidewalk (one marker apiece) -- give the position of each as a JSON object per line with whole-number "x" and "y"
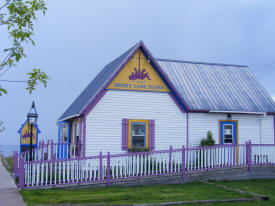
{"x": 9, "y": 195}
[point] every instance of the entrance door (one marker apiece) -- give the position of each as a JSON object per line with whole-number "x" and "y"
{"x": 228, "y": 132}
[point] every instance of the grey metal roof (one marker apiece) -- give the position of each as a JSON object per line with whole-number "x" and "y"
{"x": 203, "y": 86}
{"x": 96, "y": 84}
{"x": 217, "y": 87}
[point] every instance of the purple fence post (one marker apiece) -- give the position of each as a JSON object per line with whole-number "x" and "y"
{"x": 183, "y": 163}
{"x": 100, "y": 166}
{"x": 234, "y": 155}
{"x": 108, "y": 168}
{"x": 170, "y": 159}
{"x": 42, "y": 153}
{"x": 21, "y": 172}
{"x": 48, "y": 143}
{"x": 51, "y": 149}
{"x": 249, "y": 145}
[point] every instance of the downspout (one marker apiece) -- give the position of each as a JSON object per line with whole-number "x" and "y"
{"x": 187, "y": 130}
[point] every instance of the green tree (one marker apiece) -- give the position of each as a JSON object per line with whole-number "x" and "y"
{"x": 18, "y": 17}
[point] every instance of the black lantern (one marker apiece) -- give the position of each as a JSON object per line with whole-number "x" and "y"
{"x": 32, "y": 120}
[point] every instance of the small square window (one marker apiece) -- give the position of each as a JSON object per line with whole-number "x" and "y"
{"x": 138, "y": 134}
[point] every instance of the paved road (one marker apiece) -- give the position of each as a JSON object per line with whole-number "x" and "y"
{"x": 9, "y": 195}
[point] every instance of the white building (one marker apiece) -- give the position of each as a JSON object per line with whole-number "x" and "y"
{"x": 139, "y": 101}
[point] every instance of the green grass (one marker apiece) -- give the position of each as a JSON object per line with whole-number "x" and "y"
{"x": 128, "y": 195}
{"x": 9, "y": 160}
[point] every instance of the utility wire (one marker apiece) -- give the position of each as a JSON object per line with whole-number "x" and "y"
{"x": 5, "y": 80}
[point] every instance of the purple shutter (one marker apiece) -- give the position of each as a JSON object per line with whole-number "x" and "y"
{"x": 125, "y": 124}
{"x": 152, "y": 134}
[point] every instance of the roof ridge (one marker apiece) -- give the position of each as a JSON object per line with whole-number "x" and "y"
{"x": 197, "y": 62}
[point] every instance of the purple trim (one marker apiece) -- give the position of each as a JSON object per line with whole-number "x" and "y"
{"x": 274, "y": 127}
{"x": 170, "y": 159}
{"x": 108, "y": 169}
{"x": 51, "y": 149}
{"x": 100, "y": 166}
{"x": 176, "y": 102}
{"x": 151, "y": 141}
{"x": 84, "y": 135}
{"x": 187, "y": 130}
{"x": 125, "y": 125}
{"x": 21, "y": 173}
{"x": 163, "y": 75}
{"x": 198, "y": 111}
{"x": 94, "y": 101}
{"x": 183, "y": 164}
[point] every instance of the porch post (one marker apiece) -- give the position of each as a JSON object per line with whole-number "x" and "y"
{"x": 183, "y": 163}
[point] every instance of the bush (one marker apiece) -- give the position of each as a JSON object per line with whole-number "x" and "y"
{"x": 209, "y": 141}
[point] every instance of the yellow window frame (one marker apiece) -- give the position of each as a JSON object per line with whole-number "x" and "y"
{"x": 130, "y": 131}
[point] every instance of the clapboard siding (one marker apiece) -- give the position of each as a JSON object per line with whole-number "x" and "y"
{"x": 257, "y": 128}
{"x": 104, "y": 122}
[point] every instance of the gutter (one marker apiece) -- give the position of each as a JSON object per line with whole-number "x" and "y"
{"x": 75, "y": 115}
{"x": 239, "y": 112}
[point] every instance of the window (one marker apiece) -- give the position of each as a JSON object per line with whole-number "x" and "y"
{"x": 228, "y": 133}
{"x": 63, "y": 133}
{"x": 138, "y": 134}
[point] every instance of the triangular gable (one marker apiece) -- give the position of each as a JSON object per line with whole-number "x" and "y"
{"x": 138, "y": 74}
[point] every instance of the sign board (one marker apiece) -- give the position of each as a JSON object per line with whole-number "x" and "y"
{"x": 138, "y": 74}
{"x": 25, "y": 134}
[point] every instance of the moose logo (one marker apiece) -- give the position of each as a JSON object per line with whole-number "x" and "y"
{"x": 139, "y": 75}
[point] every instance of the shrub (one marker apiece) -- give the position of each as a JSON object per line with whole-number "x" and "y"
{"x": 209, "y": 141}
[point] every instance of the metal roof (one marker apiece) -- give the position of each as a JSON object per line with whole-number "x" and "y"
{"x": 217, "y": 87}
{"x": 202, "y": 86}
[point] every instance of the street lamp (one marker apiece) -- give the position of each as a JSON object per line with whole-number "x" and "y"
{"x": 32, "y": 120}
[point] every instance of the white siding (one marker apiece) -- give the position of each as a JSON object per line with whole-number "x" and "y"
{"x": 104, "y": 122}
{"x": 257, "y": 128}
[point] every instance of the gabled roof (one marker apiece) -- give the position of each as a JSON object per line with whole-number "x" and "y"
{"x": 197, "y": 86}
{"x": 217, "y": 87}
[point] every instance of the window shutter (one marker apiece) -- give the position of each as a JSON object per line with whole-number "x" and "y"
{"x": 152, "y": 134}
{"x": 125, "y": 124}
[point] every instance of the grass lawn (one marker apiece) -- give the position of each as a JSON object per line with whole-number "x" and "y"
{"x": 261, "y": 187}
{"x": 128, "y": 195}
{"x": 9, "y": 160}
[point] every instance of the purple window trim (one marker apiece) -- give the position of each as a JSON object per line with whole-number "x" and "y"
{"x": 151, "y": 135}
{"x": 125, "y": 126}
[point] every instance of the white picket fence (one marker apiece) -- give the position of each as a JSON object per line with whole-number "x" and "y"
{"x": 106, "y": 168}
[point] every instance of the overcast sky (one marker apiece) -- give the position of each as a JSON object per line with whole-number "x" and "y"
{"x": 76, "y": 39}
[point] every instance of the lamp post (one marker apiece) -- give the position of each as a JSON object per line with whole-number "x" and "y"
{"x": 32, "y": 120}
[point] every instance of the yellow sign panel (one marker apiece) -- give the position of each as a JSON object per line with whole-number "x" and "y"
{"x": 138, "y": 74}
{"x": 25, "y": 134}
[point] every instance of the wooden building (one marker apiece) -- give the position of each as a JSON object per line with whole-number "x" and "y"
{"x": 144, "y": 102}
